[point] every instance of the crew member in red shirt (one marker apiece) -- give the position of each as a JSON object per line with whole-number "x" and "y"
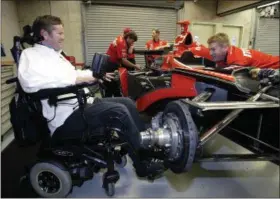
{"x": 130, "y": 54}
{"x": 155, "y": 44}
{"x": 226, "y": 55}
{"x": 184, "y": 41}
{"x": 117, "y": 52}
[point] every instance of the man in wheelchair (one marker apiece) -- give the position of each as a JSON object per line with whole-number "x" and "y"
{"x": 43, "y": 67}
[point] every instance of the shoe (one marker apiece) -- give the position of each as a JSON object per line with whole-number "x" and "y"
{"x": 150, "y": 169}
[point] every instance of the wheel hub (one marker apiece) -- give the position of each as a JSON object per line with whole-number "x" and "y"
{"x": 174, "y": 150}
{"x": 176, "y": 135}
{"x": 169, "y": 136}
{"x": 48, "y": 182}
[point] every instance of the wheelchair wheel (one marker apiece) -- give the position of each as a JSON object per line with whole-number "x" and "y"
{"x": 110, "y": 189}
{"x": 50, "y": 180}
{"x": 123, "y": 162}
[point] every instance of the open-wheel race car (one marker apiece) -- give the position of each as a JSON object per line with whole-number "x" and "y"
{"x": 211, "y": 100}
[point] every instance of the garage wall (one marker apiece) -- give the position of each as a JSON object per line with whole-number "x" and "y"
{"x": 10, "y": 27}
{"x": 267, "y": 35}
{"x": 144, "y": 3}
{"x": 103, "y": 23}
{"x": 205, "y": 11}
{"x": 224, "y": 6}
{"x": 68, "y": 11}
{"x": 180, "y": 17}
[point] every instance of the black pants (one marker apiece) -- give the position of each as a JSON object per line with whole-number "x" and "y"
{"x": 112, "y": 89}
{"x": 98, "y": 115}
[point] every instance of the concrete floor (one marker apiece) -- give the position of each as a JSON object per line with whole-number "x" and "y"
{"x": 208, "y": 179}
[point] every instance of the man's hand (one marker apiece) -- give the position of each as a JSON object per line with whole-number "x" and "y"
{"x": 109, "y": 77}
{"x": 162, "y": 47}
{"x": 266, "y": 75}
{"x": 255, "y": 73}
{"x": 85, "y": 79}
{"x": 137, "y": 67}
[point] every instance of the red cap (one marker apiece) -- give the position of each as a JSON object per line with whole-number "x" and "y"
{"x": 126, "y": 30}
{"x": 184, "y": 22}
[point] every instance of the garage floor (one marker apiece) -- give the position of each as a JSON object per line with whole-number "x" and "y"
{"x": 227, "y": 179}
{"x": 230, "y": 179}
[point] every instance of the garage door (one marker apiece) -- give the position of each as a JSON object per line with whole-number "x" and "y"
{"x": 103, "y": 23}
{"x": 7, "y": 92}
{"x": 267, "y": 37}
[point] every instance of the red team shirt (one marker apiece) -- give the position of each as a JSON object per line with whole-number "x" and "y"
{"x": 152, "y": 45}
{"x": 241, "y": 57}
{"x": 117, "y": 50}
{"x": 130, "y": 55}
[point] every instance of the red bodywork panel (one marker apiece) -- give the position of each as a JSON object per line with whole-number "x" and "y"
{"x": 171, "y": 63}
{"x": 181, "y": 86}
{"x": 123, "y": 79}
{"x": 177, "y": 64}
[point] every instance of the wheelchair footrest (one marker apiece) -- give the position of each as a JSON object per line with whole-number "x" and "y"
{"x": 110, "y": 177}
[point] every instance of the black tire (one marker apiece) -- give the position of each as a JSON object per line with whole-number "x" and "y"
{"x": 110, "y": 189}
{"x": 190, "y": 137}
{"x": 63, "y": 176}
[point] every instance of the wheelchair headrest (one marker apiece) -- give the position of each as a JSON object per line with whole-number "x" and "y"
{"x": 99, "y": 64}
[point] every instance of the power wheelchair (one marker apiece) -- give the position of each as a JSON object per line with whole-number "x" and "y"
{"x": 61, "y": 163}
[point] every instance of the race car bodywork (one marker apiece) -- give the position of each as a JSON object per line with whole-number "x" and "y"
{"x": 216, "y": 101}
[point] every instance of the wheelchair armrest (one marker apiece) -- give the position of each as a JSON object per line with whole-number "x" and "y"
{"x": 12, "y": 80}
{"x": 55, "y": 92}
{"x": 52, "y": 93}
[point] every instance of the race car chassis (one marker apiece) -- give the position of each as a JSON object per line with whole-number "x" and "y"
{"x": 237, "y": 107}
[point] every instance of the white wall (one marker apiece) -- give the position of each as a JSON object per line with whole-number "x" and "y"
{"x": 205, "y": 11}
{"x": 68, "y": 11}
{"x": 9, "y": 27}
{"x": 226, "y": 5}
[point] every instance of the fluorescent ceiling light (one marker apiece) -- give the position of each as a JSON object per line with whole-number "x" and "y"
{"x": 268, "y": 4}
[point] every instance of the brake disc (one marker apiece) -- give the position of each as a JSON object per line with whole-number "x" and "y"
{"x": 171, "y": 123}
{"x": 184, "y": 135}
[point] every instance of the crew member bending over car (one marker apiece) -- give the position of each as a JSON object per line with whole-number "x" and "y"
{"x": 130, "y": 54}
{"x": 228, "y": 56}
{"x": 117, "y": 52}
{"x": 42, "y": 66}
